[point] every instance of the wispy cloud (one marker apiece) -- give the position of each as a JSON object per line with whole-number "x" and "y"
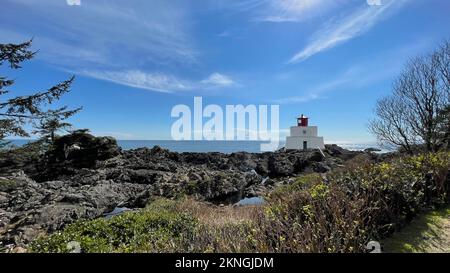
{"x": 356, "y": 76}
{"x": 160, "y": 82}
{"x": 382, "y": 67}
{"x": 338, "y": 31}
{"x": 116, "y": 41}
{"x": 217, "y": 79}
{"x": 298, "y": 99}
{"x": 318, "y": 91}
{"x": 113, "y": 40}
{"x": 117, "y": 31}
{"x": 279, "y": 11}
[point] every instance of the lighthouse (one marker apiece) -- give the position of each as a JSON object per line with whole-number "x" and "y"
{"x": 303, "y": 136}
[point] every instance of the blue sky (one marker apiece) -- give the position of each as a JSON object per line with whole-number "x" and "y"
{"x": 134, "y": 60}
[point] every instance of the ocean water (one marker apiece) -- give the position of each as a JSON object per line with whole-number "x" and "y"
{"x": 195, "y": 146}
{"x": 212, "y": 146}
{"x": 363, "y": 146}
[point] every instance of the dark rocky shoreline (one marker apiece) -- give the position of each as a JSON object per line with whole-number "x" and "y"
{"x": 84, "y": 177}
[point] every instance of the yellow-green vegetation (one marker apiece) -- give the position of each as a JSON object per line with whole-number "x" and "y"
{"x": 163, "y": 226}
{"x": 428, "y": 233}
{"x": 339, "y": 212}
{"x": 7, "y": 184}
{"x": 351, "y": 206}
{"x": 156, "y": 228}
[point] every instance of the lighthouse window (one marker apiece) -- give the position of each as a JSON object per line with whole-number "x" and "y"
{"x": 304, "y": 132}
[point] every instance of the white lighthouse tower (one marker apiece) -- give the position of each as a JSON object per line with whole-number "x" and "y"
{"x": 304, "y": 137}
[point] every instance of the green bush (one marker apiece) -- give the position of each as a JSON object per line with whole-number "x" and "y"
{"x": 157, "y": 228}
{"x": 348, "y": 208}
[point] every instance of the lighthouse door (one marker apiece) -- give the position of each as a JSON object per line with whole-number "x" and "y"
{"x": 305, "y": 145}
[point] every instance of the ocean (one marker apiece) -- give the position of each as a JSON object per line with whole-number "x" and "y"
{"x": 212, "y": 146}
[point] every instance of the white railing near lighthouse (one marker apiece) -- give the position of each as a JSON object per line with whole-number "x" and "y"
{"x": 321, "y": 152}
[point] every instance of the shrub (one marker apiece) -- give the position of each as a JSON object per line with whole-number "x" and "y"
{"x": 157, "y": 228}
{"x": 354, "y": 205}
{"x": 321, "y": 218}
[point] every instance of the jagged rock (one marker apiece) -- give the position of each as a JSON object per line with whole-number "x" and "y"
{"x": 84, "y": 176}
{"x": 321, "y": 167}
{"x": 32, "y": 208}
{"x": 82, "y": 150}
{"x": 315, "y": 156}
{"x": 371, "y": 150}
{"x": 280, "y": 166}
{"x": 339, "y": 152}
{"x": 75, "y": 151}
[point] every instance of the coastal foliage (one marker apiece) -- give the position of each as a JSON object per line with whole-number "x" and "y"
{"x": 339, "y": 212}
{"x": 33, "y": 109}
{"x": 355, "y": 205}
{"x": 158, "y": 228}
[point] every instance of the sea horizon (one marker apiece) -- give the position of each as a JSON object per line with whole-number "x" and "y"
{"x": 222, "y": 146}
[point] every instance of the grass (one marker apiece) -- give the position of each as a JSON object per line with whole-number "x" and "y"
{"x": 217, "y": 216}
{"x": 428, "y": 233}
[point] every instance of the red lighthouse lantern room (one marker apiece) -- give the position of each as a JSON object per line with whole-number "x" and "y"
{"x": 302, "y": 121}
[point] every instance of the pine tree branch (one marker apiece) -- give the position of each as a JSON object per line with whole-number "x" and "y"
{"x": 16, "y": 53}
{"x": 19, "y": 116}
{"x": 53, "y": 93}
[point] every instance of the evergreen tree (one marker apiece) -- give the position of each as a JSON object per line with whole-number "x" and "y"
{"x": 48, "y": 127}
{"x": 18, "y": 111}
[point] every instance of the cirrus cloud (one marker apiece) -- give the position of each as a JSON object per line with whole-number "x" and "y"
{"x": 160, "y": 82}
{"x": 338, "y": 31}
{"x": 294, "y": 10}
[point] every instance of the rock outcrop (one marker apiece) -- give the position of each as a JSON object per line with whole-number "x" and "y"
{"x": 84, "y": 177}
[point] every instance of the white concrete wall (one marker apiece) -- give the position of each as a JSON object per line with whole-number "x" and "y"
{"x": 310, "y": 131}
{"x": 296, "y": 142}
